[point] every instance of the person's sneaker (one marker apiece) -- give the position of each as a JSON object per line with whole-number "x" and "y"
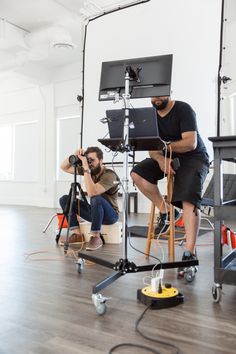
{"x": 187, "y": 256}
{"x": 163, "y": 222}
{"x": 73, "y": 239}
{"x": 95, "y": 243}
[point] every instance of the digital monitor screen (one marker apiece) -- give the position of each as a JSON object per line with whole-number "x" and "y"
{"x": 150, "y": 76}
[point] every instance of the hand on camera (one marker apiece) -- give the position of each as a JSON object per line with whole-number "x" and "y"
{"x": 79, "y": 152}
{"x": 82, "y": 157}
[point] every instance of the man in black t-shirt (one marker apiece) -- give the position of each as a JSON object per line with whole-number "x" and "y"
{"x": 178, "y": 128}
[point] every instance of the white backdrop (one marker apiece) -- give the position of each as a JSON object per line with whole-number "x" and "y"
{"x": 188, "y": 29}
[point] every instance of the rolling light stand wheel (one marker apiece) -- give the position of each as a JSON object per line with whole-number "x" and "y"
{"x": 217, "y": 292}
{"x": 101, "y": 309}
{"x": 80, "y": 265}
{"x": 189, "y": 274}
{"x": 99, "y": 302}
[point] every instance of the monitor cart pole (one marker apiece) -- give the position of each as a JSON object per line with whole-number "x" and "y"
{"x": 123, "y": 265}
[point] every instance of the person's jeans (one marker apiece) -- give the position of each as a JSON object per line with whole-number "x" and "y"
{"x": 99, "y": 212}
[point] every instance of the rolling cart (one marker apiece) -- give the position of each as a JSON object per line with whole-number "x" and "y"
{"x": 224, "y": 211}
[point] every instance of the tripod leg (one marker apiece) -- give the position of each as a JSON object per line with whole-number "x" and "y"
{"x": 61, "y": 226}
{"x": 65, "y": 211}
{"x": 102, "y": 238}
{"x": 72, "y": 199}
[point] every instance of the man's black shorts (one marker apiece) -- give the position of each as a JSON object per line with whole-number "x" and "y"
{"x": 188, "y": 180}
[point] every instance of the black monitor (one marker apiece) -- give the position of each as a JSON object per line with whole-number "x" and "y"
{"x": 150, "y": 76}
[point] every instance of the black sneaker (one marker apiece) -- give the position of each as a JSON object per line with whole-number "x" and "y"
{"x": 187, "y": 256}
{"x": 163, "y": 222}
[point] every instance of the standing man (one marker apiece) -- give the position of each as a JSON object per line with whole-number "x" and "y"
{"x": 102, "y": 186}
{"x": 178, "y": 128}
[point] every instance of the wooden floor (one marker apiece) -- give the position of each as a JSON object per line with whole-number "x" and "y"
{"x": 46, "y": 307}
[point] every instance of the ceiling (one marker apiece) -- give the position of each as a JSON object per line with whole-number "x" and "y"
{"x": 45, "y": 33}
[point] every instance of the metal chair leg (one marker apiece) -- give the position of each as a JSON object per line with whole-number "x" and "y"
{"x": 49, "y": 222}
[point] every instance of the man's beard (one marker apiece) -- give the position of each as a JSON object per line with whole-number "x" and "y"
{"x": 96, "y": 170}
{"x": 162, "y": 105}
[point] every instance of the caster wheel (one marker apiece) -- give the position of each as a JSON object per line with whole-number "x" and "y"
{"x": 99, "y": 302}
{"x": 101, "y": 309}
{"x": 80, "y": 265}
{"x": 189, "y": 274}
{"x": 217, "y": 292}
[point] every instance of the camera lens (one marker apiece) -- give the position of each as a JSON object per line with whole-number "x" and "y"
{"x": 74, "y": 160}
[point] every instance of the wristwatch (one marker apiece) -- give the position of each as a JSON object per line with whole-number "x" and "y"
{"x": 87, "y": 171}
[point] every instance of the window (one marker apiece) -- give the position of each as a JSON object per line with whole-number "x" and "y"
{"x": 6, "y": 142}
{"x": 68, "y": 129}
{"x": 26, "y": 152}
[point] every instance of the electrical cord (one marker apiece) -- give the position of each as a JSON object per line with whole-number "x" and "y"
{"x": 134, "y": 346}
{"x": 149, "y": 255}
{"x": 31, "y": 255}
{"x": 151, "y": 338}
{"x": 137, "y": 323}
{"x": 158, "y": 272}
{"x": 112, "y": 161}
{"x": 163, "y": 201}
{"x": 167, "y": 174}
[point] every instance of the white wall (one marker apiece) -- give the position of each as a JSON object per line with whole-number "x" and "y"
{"x": 27, "y": 109}
{"x": 36, "y": 183}
{"x": 187, "y": 28}
{"x": 182, "y": 28}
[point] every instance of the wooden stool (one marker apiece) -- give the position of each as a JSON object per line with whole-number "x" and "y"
{"x": 171, "y": 233}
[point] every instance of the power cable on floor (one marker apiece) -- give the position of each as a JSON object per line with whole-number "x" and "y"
{"x": 137, "y": 322}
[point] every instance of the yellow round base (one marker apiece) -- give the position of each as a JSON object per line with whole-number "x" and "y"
{"x": 166, "y": 292}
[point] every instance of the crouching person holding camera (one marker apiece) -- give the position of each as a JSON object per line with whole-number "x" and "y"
{"x": 101, "y": 185}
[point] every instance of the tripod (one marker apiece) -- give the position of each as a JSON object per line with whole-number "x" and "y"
{"x": 123, "y": 265}
{"x": 75, "y": 189}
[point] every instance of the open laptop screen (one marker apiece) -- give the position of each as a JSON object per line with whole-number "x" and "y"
{"x": 142, "y": 122}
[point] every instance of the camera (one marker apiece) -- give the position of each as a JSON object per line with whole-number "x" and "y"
{"x": 75, "y": 160}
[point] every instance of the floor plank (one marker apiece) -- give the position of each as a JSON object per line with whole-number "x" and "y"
{"x": 46, "y": 305}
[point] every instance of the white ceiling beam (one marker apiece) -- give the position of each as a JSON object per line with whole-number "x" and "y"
{"x": 11, "y": 35}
